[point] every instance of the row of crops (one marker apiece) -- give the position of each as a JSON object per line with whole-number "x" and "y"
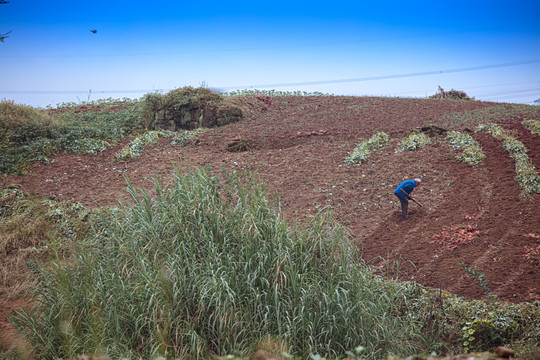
{"x": 469, "y": 150}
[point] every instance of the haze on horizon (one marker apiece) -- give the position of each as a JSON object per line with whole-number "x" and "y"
{"x": 489, "y": 49}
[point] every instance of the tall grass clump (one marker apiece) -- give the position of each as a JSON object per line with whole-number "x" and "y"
{"x": 527, "y": 177}
{"x": 208, "y": 267}
{"x": 364, "y": 150}
{"x": 471, "y": 152}
{"x": 34, "y": 229}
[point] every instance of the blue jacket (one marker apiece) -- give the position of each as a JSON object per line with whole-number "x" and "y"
{"x": 407, "y": 186}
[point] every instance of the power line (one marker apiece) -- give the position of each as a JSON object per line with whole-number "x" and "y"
{"x": 319, "y": 82}
{"x": 465, "y": 88}
{"x": 515, "y": 92}
{"x": 387, "y": 77}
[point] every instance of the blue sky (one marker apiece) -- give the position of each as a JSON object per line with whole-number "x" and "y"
{"x": 490, "y": 49}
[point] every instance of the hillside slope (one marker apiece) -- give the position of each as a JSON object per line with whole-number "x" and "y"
{"x": 298, "y": 145}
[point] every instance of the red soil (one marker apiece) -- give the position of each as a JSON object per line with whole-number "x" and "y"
{"x": 298, "y": 145}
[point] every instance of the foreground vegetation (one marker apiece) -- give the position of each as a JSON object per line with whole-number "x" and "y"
{"x": 209, "y": 267}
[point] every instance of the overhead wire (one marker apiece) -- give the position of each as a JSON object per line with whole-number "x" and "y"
{"x": 389, "y": 77}
{"x": 304, "y": 83}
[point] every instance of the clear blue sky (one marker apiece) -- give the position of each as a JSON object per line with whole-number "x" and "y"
{"x": 339, "y": 47}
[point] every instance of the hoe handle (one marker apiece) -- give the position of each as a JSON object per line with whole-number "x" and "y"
{"x": 410, "y": 197}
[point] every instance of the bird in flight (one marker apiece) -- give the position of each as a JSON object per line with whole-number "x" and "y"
{"x": 94, "y": 31}
{"x": 5, "y": 36}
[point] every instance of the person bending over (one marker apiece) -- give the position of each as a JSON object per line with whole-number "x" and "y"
{"x": 403, "y": 192}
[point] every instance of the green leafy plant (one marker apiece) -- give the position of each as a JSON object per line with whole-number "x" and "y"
{"x": 478, "y": 331}
{"x": 532, "y": 125}
{"x": 364, "y": 150}
{"x": 181, "y": 137}
{"x": 494, "y": 129}
{"x": 471, "y": 152}
{"x": 479, "y": 277}
{"x": 136, "y": 146}
{"x": 527, "y": 177}
{"x": 413, "y": 142}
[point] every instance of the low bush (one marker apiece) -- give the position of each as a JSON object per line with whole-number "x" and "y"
{"x": 453, "y": 324}
{"x": 451, "y": 95}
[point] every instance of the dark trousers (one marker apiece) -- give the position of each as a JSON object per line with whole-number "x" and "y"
{"x": 404, "y": 208}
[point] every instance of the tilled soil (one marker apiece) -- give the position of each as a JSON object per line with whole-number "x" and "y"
{"x": 298, "y": 146}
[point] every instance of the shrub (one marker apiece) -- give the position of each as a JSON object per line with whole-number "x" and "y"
{"x": 477, "y": 325}
{"x": 364, "y": 150}
{"x": 450, "y": 95}
{"x": 179, "y": 99}
{"x": 13, "y": 117}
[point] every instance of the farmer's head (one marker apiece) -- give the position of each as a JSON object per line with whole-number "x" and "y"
{"x": 417, "y": 181}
